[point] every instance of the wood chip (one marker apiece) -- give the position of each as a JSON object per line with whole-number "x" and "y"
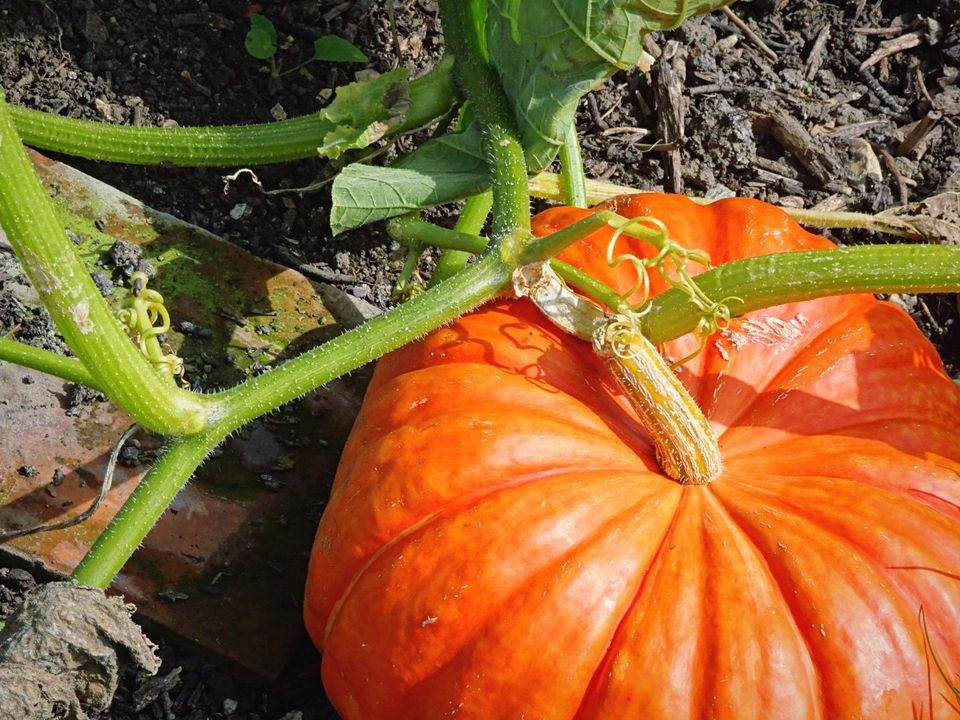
{"x": 750, "y": 34}
{"x": 669, "y": 77}
{"x": 853, "y": 130}
{"x": 892, "y": 47}
{"x": 917, "y": 134}
{"x": 831, "y": 203}
{"x": 815, "y": 157}
{"x": 816, "y": 56}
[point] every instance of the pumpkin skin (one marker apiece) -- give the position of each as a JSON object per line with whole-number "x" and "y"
{"x": 500, "y": 542}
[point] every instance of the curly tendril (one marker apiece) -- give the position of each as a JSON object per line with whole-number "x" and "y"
{"x": 671, "y": 261}
{"x": 140, "y": 316}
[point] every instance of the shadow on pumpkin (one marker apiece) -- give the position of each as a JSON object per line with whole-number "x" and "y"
{"x": 891, "y": 390}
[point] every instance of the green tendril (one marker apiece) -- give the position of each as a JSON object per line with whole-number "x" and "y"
{"x": 146, "y": 318}
{"x": 670, "y": 261}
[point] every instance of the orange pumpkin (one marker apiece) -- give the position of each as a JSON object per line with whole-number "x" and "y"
{"x": 500, "y": 542}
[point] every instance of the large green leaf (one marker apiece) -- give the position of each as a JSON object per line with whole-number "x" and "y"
{"x": 548, "y": 54}
{"x": 446, "y": 168}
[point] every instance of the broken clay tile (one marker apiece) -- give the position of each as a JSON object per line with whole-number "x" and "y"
{"x": 223, "y": 570}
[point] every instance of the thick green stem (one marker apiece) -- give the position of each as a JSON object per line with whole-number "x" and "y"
{"x": 510, "y": 225}
{"x": 48, "y": 362}
{"x": 791, "y": 277}
{"x": 411, "y": 231}
{"x": 549, "y": 186}
{"x": 231, "y": 145}
{"x": 573, "y": 181}
{"x": 75, "y": 304}
{"x": 258, "y": 396}
{"x": 144, "y": 507}
{"x": 471, "y": 221}
{"x": 476, "y": 284}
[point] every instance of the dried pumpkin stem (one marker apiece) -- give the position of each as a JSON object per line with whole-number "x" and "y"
{"x": 686, "y": 447}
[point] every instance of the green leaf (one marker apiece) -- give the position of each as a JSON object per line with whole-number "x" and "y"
{"x": 363, "y": 112}
{"x": 449, "y": 166}
{"x": 333, "y": 48}
{"x": 261, "y": 40}
{"x": 548, "y": 54}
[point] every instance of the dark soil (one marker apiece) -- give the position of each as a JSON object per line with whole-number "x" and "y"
{"x": 184, "y": 62}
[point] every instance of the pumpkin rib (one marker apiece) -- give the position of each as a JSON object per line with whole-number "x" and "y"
{"x": 820, "y": 530}
{"x": 631, "y": 658}
{"x": 907, "y": 493}
{"x": 466, "y": 643}
{"x": 537, "y": 576}
{"x": 467, "y": 500}
{"x": 606, "y": 658}
{"x": 734, "y": 452}
{"x": 783, "y": 583}
{"x": 932, "y": 499}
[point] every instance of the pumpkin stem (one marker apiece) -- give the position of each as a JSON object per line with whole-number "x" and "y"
{"x": 686, "y": 447}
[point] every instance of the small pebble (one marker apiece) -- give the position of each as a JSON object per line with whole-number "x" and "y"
{"x": 28, "y": 470}
{"x": 193, "y": 330}
{"x": 270, "y": 482}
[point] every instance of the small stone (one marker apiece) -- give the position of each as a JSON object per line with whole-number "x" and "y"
{"x": 230, "y": 706}
{"x": 27, "y": 380}
{"x": 130, "y": 456}
{"x": 28, "y": 470}
{"x": 240, "y": 211}
{"x": 103, "y": 282}
{"x": 270, "y": 482}
{"x": 193, "y": 330}
{"x": 58, "y": 476}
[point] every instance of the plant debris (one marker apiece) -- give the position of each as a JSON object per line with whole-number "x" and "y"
{"x": 63, "y": 651}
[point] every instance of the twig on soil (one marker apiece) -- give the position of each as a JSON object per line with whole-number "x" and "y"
{"x": 875, "y": 87}
{"x": 918, "y": 132}
{"x": 816, "y": 56}
{"x": 595, "y": 112}
{"x": 668, "y": 88}
{"x": 892, "y": 47}
{"x": 750, "y": 34}
{"x": 890, "y": 163}
{"x": 94, "y": 506}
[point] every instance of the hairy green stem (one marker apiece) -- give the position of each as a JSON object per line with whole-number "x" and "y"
{"x": 230, "y": 145}
{"x": 573, "y": 181}
{"x": 45, "y": 361}
{"x": 262, "y": 394}
{"x": 471, "y": 221}
{"x": 411, "y": 231}
{"x": 75, "y": 304}
{"x": 510, "y": 224}
{"x": 790, "y": 277}
{"x": 144, "y": 507}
